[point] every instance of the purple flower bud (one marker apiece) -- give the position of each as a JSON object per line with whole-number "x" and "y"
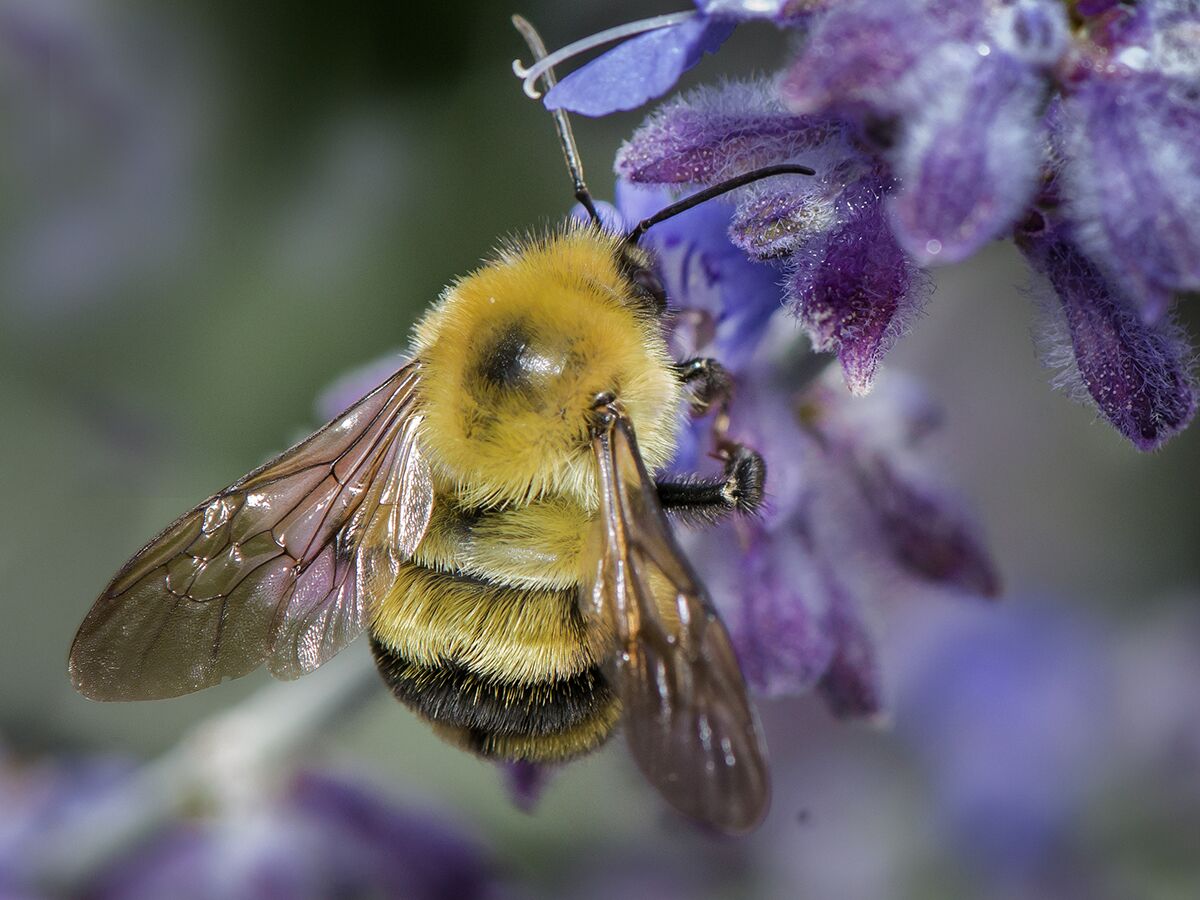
{"x": 1135, "y": 373}
{"x": 710, "y": 134}
{"x": 851, "y": 685}
{"x": 968, "y": 161}
{"x": 925, "y": 531}
{"x": 1131, "y": 181}
{"x": 525, "y": 782}
{"x": 915, "y": 528}
{"x": 640, "y": 69}
{"x": 855, "y": 290}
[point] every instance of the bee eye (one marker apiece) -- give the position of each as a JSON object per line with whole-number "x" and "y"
{"x": 650, "y": 287}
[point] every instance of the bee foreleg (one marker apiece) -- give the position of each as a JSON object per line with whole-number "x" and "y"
{"x": 708, "y": 381}
{"x": 707, "y": 500}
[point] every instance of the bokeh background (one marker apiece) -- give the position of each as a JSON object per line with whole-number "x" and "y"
{"x": 211, "y": 211}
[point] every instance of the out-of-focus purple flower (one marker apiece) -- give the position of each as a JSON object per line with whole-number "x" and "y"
{"x": 101, "y": 153}
{"x": 525, "y": 782}
{"x": 851, "y": 685}
{"x": 325, "y": 837}
{"x": 37, "y": 797}
{"x": 851, "y": 520}
{"x": 355, "y": 384}
{"x": 1008, "y": 709}
{"x": 1136, "y": 374}
{"x": 968, "y": 164}
{"x": 1131, "y": 170}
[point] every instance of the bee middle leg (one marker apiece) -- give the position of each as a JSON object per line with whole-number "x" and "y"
{"x": 707, "y": 500}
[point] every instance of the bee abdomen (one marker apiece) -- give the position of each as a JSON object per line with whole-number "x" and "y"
{"x": 502, "y": 671}
{"x": 456, "y": 696}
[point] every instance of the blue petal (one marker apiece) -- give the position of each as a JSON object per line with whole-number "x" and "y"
{"x": 640, "y": 69}
{"x": 729, "y": 298}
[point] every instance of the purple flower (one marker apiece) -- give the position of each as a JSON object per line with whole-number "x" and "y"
{"x": 1008, "y": 711}
{"x": 642, "y": 68}
{"x": 850, "y": 284}
{"x": 1131, "y": 171}
{"x": 853, "y": 288}
{"x": 326, "y": 836}
{"x": 654, "y": 53}
{"x": 1136, "y": 374}
{"x": 851, "y": 519}
{"x": 722, "y": 300}
{"x": 525, "y": 782}
{"x": 953, "y": 93}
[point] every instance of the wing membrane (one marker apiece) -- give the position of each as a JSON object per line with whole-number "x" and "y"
{"x": 688, "y": 721}
{"x": 277, "y": 568}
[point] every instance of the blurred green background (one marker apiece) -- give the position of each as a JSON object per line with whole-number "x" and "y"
{"x": 210, "y": 211}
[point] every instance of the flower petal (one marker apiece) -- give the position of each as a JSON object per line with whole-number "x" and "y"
{"x": 780, "y": 629}
{"x": 856, "y": 290}
{"x": 925, "y": 530}
{"x": 640, "y": 69}
{"x": 724, "y": 299}
{"x": 710, "y": 134}
{"x": 859, "y": 57}
{"x": 1132, "y": 181}
{"x": 851, "y": 685}
{"x": 1135, "y": 373}
{"x": 968, "y": 163}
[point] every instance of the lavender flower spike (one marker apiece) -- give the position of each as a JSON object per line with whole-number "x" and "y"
{"x": 1135, "y": 373}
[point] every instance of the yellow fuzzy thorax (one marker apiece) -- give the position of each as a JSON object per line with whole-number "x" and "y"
{"x": 512, "y": 358}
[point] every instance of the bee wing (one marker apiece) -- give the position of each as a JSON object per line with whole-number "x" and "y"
{"x": 688, "y": 720}
{"x": 278, "y": 567}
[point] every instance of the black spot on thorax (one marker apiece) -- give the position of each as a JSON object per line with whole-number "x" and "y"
{"x": 502, "y": 363}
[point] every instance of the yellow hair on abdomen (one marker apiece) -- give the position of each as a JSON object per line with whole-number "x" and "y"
{"x": 433, "y": 618}
{"x": 535, "y": 546}
{"x": 513, "y": 357}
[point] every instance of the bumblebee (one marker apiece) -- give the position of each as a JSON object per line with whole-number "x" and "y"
{"x": 489, "y": 517}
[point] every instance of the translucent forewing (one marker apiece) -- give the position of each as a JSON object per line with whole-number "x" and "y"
{"x": 688, "y": 721}
{"x": 277, "y": 568}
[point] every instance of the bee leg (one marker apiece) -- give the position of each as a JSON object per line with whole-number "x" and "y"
{"x": 708, "y": 380}
{"x": 707, "y": 500}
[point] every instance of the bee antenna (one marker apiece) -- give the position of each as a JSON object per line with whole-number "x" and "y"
{"x": 715, "y": 191}
{"x": 561, "y": 123}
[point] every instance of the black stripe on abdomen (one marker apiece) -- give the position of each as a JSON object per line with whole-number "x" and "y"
{"x": 454, "y": 695}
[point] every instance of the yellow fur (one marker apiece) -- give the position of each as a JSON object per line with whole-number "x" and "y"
{"x": 566, "y": 298}
{"x": 535, "y": 546}
{"x": 509, "y": 634}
